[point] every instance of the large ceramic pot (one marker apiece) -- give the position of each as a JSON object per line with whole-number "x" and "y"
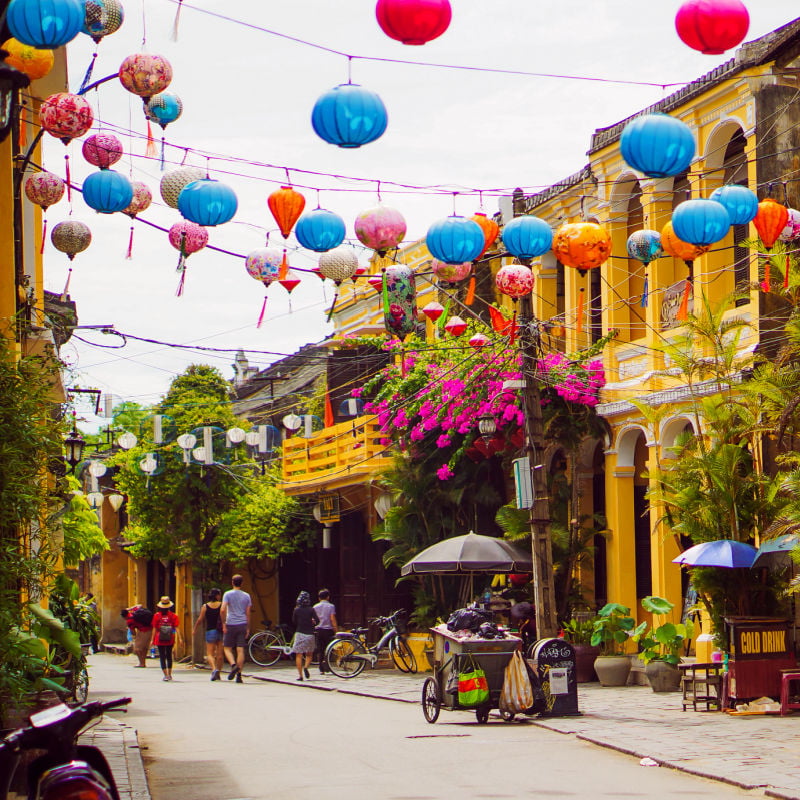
{"x": 585, "y": 655}
{"x": 663, "y": 677}
{"x": 612, "y": 670}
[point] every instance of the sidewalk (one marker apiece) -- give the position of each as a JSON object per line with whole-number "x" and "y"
{"x": 752, "y": 752}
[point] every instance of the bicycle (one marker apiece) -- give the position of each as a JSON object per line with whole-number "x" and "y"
{"x": 348, "y": 653}
{"x": 267, "y": 646}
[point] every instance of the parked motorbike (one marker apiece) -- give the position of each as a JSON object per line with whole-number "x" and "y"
{"x": 65, "y": 770}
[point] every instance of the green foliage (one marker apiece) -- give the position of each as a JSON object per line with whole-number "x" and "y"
{"x": 612, "y": 628}
{"x": 74, "y": 611}
{"x": 83, "y": 536}
{"x": 578, "y": 631}
{"x": 662, "y": 642}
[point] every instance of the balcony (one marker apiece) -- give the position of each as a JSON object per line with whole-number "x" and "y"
{"x": 335, "y": 457}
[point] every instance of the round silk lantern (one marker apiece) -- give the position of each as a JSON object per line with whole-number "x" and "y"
{"x": 380, "y": 228}
{"x": 740, "y": 202}
{"x": 66, "y": 116}
{"x": 479, "y": 340}
{"x": 770, "y": 220}
{"x": 792, "y": 229}
{"x": 173, "y": 183}
{"x": 102, "y": 150}
{"x": 35, "y": 63}
{"x": 657, "y": 145}
{"x": 676, "y": 247}
{"x": 527, "y": 236}
{"x": 491, "y": 230}
{"x": 413, "y": 22}
{"x": 188, "y": 237}
{"x": 142, "y": 197}
{"x": 320, "y": 230}
{"x": 644, "y": 245}
{"x": 349, "y": 115}
{"x": 71, "y": 237}
{"x": 145, "y": 74}
{"x": 102, "y": 18}
{"x": 339, "y": 264}
{"x": 582, "y": 245}
{"x": 455, "y": 326}
{"x": 46, "y": 24}
{"x": 44, "y": 189}
{"x": 163, "y": 108}
{"x": 451, "y": 273}
{"x": 264, "y": 264}
{"x": 701, "y": 222}
{"x": 207, "y": 202}
{"x": 107, "y": 191}
{"x": 455, "y": 240}
{"x": 286, "y": 206}
{"x": 433, "y": 310}
{"x": 712, "y": 26}
{"x": 514, "y": 280}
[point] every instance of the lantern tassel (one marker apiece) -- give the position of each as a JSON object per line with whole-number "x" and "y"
{"x": 470, "y": 298}
{"x": 44, "y": 235}
{"x": 88, "y": 76}
{"x": 150, "y": 151}
{"x": 181, "y": 283}
{"x": 512, "y": 334}
{"x": 65, "y": 293}
{"x": 69, "y": 181}
{"x": 181, "y": 262}
{"x": 174, "y": 33}
{"x": 263, "y": 311}
{"x": 579, "y": 320}
{"x": 786, "y": 274}
{"x": 765, "y": 282}
{"x": 645, "y": 292}
{"x": 129, "y": 254}
{"x": 683, "y": 311}
{"x": 163, "y": 145}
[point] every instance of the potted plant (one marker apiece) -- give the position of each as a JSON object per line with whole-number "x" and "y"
{"x": 661, "y": 646}
{"x": 611, "y": 629}
{"x": 579, "y": 634}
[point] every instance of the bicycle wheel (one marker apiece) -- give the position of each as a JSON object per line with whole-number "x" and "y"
{"x": 401, "y": 655}
{"x": 265, "y": 648}
{"x": 346, "y": 657}
{"x": 430, "y": 700}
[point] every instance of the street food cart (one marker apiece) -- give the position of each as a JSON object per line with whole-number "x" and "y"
{"x": 451, "y": 654}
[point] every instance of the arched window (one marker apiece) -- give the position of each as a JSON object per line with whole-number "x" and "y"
{"x": 735, "y": 166}
{"x": 635, "y": 220}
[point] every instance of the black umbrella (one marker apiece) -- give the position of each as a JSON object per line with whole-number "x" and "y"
{"x": 469, "y": 554}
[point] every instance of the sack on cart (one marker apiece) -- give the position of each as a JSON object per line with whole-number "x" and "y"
{"x": 473, "y": 688}
{"x": 467, "y": 619}
{"x": 516, "y": 696}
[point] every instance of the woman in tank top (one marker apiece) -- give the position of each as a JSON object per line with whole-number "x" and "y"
{"x": 210, "y": 614}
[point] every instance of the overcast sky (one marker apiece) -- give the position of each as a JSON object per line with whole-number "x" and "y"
{"x": 248, "y": 97}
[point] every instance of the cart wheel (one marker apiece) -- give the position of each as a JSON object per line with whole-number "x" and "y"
{"x": 430, "y": 700}
{"x": 507, "y": 716}
{"x": 482, "y": 714}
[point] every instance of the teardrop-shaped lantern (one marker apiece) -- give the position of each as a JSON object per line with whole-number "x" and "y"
{"x": 44, "y": 189}
{"x": 174, "y": 181}
{"x": 66, "y": 116}
{"x": 349, "y": 115}
{"x": 102, "y": 18}
{"x": 479, "y": 340}
{"x": 207, "y": 202}
{"x": 286, "y": 206}
{"x": 320, "y": 230}
{"x": 740, "y": 202}
{"x": 491, "y": 230}
{"x": 102, "y": 150}
{"x": 433, "y": 310}
{"x": 107, "y": 191}
{"x": 145, "y": 74}
{"x": 142, "y": 197}
{"x": 264, "y": 264}
{"x": 582, "y": 245}
{"x": 35, "y": 63}
{"x": 188, "y": 237}
{"x": 701, "y": 222}
{"x": 657, "y": 145}
{"x": 455, "y": 326}
{"x": 451, "y": 273}
{"x": 674, "y": 246}
{"x": 46, "y": 24}
{"x": 527, "y": 236}
{"x": 376, "y": 282}
{"x": 290, "y": 282}
{"x": 380, "y": 228}
{"x": 338, "y": 264}
{"x": 644, "y": 245}
{"x": 455, "y": 240}
{"x": 514, "y": 280}
{"x": 770, "y": 220}
{"x": 71, "y": 237}
{"x": 413, "y": 22}
{"x": 792, "y": 229}
{"x": 712, "y": 26}
{"x": 163, "y": 108}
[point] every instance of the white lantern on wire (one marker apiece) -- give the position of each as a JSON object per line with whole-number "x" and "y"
{"x": 149, "y": 464}
{"x": 95, "y": 499}
{"x": 97, "y": 469}
{"x": 127, "y": 440}
{"x": 338, "y": 264}
{"x": 234, "y": 436}
{"x": 116, "y": 501}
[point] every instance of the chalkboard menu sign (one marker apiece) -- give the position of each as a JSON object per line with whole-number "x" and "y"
{"x": 554, "y": 662}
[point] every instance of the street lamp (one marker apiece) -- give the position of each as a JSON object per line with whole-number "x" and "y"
{"x": 10, "y": 81}
{"x": 74, "y": 444}
{"x": 487, "y": 426}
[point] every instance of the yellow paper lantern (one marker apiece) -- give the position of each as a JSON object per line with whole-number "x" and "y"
{"x": 34, "y": 63}
{"x": 676, "y": 247}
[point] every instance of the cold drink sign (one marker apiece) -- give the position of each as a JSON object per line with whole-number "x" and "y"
{"x": 760, "y": 641}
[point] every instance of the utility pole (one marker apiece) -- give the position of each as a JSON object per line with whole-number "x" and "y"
{"x": 541, "y": 545}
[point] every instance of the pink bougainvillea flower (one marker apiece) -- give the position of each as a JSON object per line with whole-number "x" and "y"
{"x": 444, "y": 473}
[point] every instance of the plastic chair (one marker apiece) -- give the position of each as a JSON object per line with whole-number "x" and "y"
{"x": 787, "y": 676}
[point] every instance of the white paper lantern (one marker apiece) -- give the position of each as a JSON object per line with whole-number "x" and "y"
{"x": 338, "y": 264}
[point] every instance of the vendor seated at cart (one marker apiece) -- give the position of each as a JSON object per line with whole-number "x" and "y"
{"x": 523, "y": 615}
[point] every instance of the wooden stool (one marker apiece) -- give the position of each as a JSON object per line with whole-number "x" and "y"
{"x": 702, "y": 686}
{"x": 787, "y": 676}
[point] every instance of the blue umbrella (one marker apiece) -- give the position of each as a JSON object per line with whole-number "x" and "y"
{"x": 780, "y": 544}
{"x": 721, "y": 553}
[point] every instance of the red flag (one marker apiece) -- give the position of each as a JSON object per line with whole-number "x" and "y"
{"x": 500, "y": 324}
{"x": 329, "y": 421}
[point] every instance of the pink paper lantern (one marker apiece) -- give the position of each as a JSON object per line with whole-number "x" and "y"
{"x": 66, "y": 116}
{"x": 44, "y": 189}
{"x": 712, "y": 26}
{"x": 145, "y": 74}
{"x": 142, "y": 197}
{"x": 188, "y": 237}
{"x": 102, "y": 150}
{"x": 413, "y": 22}
{"x": 380, "y": 228}
{"x": 451, "y": 273}
{"x": 514, "y": 280}
{"x": 792, "y": 229}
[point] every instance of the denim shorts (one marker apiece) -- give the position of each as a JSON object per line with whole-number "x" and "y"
{"x": 213, "y": 636}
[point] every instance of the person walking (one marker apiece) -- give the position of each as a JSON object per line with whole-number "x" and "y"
{"x": 165, "y": 628}
{"x": 140, "y": 625}
{"x": 211, "y": 615}
{"x": 327, "y": 627}
{"x": 235, "y": 615}
{"x": 304, "y": 620}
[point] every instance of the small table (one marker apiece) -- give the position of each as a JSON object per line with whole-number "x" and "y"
{"x": 702, "y": 684}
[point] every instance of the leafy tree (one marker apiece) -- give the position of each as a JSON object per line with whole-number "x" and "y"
{"x": 83, "y": 536}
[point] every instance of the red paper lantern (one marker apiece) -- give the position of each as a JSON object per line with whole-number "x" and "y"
{"x": 433, "y": 311}
{"x": 455, "y": 326}
{"x": 66, "y": 116}
{"x": 479, "y": 340}
{"x": 491, "y": 230}
{"x": 102, "y": 150}
{"x": 286, "y": 206}
{"x": 290, "y": 281}
{"x": 770, "y": 220}
{"x": 712, "y": 26}
{"x": 413, "y": 21}
{"x": 376, "y": 282}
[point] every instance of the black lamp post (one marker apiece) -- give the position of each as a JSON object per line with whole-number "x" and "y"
{"x": 10, "y": 81}
{"x": 74, "y": 444}
{"x": 487, "y": 426}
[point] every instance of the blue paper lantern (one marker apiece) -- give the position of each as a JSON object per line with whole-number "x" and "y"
{"x": 163, "y": 108}
{"x": 527, "y": 236}
{"x": 740, "y": 202}
{"x": 644, "y": 245}
{"x": 45, "y": 24}
{"x": 107, "y": 191}
{"x": 320, "y": 230}
{"x": 657, "y": 145}
{"x": 349, "y": 116}
{"x": 700, "y": 222}
{"x": 455, "y": 240}
{"x": 207, "y": 202}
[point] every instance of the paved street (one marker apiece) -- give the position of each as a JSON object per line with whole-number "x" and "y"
{"x": 275, "y": 737}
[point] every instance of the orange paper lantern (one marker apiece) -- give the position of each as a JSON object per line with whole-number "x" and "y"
{"x": 676, "y": 247}
{"x": 770, "y": 220}
{"x": 582, "y": 245}
{"x": 491, "y": 230}
{"x": 286, "y": 206}
{"x": 33, "y": 62}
